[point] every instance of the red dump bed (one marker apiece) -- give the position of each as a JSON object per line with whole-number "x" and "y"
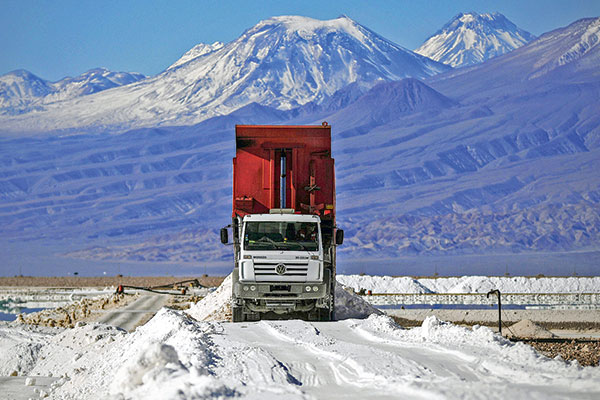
{"x": 308, "y": 174}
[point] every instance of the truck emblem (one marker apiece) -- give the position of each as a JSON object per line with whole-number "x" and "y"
{"x": 280, "y": 269}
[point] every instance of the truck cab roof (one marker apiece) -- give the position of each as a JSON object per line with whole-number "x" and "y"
{"x": 283, "y": 217}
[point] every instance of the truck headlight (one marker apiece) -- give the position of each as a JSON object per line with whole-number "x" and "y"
{"x": 314, "y": 258}
{"x": 245, "y": 288}
{"x": 308, "y": 288}
{"x": 253, "y": 288}
{"x": 315, "y": 288}
{"x": 247, "y": 257}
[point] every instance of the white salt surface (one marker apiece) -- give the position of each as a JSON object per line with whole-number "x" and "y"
{"x": 176, "y": 357}
{"x": 21, "y": 345}
{"x": 471, "y": 284}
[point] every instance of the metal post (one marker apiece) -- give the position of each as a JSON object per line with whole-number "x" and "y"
{"x": 499, "y": 308}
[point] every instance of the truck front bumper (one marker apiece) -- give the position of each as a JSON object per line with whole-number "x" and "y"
{"x": 281, "y": 290}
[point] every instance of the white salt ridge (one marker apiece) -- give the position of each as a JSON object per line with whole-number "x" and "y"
{"x": 471, "y": 284}
{"x": 21, "y": 345}
{"x": 216, "y": 306}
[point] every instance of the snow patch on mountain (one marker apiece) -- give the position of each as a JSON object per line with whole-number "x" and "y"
{"x": 589, "y": 39}
{"x": 471, "y": 38}
{"x": 20, "y": 87}
{"x": 21, "y": 91}
{"x": 579, "y": 41}
{"x": 197, "y": 51}
{"x": 92, "y": 81}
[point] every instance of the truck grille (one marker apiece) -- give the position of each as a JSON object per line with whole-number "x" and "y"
{"x": 290, "y": 269}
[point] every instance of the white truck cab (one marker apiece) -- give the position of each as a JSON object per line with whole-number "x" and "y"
{"x": 280, "y": 268}
{"x": 281, "y": 248}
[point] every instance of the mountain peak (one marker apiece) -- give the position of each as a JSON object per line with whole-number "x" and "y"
{"x": 297, "y": 22}
{"x": 18, "y": 87}
{"x": 401, "y": 98}
{"x": 471, "y": 38}
{"x": 471, "y": 19}
{"x": 305, "y": 26}
{"x": 20, "y": 73}
{"x": 198, "y": 50}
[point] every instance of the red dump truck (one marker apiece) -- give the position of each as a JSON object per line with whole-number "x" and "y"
{"x": 283, "y": 223}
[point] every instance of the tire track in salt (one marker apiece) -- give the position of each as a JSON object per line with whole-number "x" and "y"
{"x": 328, "y": 366}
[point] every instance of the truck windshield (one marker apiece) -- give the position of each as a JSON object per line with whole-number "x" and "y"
{"x": 281, "y": 235}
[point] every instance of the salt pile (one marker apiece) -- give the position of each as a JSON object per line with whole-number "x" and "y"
{"x": 21, "y": 346}
{"x": 383, "y": 284}
{"x": 217, "y": 305}
{"x": 349, "y": 305}
{"x": 528, "y": 329}
{"x": 471, "y": 284}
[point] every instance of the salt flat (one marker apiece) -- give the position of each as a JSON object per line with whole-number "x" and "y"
{"x": 364, "y": 354}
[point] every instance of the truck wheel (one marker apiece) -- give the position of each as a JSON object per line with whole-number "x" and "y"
{"x": 325, "y": 314}
{"x": 236, "y": 314}
{"x": 319, "y": 314}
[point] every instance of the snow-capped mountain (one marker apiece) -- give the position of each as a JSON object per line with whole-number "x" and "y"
{"x": 471, "y": 38}
{"x": 282, "y": 62}
{"x": 197, "y": 51}
{"x": 20, "y": 87}
{"x": 21, "y": 91}
{"x": 566, "y": 55}
{"x": 95, "y": 80}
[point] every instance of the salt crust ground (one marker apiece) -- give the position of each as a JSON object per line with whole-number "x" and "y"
{"x": 174, "y": 356}
{"x": 471, "y": 284}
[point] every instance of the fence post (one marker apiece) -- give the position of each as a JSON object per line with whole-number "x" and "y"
{"x": 499, "y": 308}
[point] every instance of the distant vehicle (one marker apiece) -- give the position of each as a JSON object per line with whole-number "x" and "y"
{"x": 283, "y": 223}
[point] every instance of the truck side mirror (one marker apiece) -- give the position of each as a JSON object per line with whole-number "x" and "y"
{"x": 224, "y": 236}
{"x": 339, "y": 236}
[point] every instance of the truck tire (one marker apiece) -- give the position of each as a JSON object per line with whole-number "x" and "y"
{"x": 236, "y": 314}
{"x": 319, "y": 314}
{"x": 325, "y": 314}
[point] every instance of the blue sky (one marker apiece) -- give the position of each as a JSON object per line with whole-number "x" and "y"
{"x": 54, "y": 39}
